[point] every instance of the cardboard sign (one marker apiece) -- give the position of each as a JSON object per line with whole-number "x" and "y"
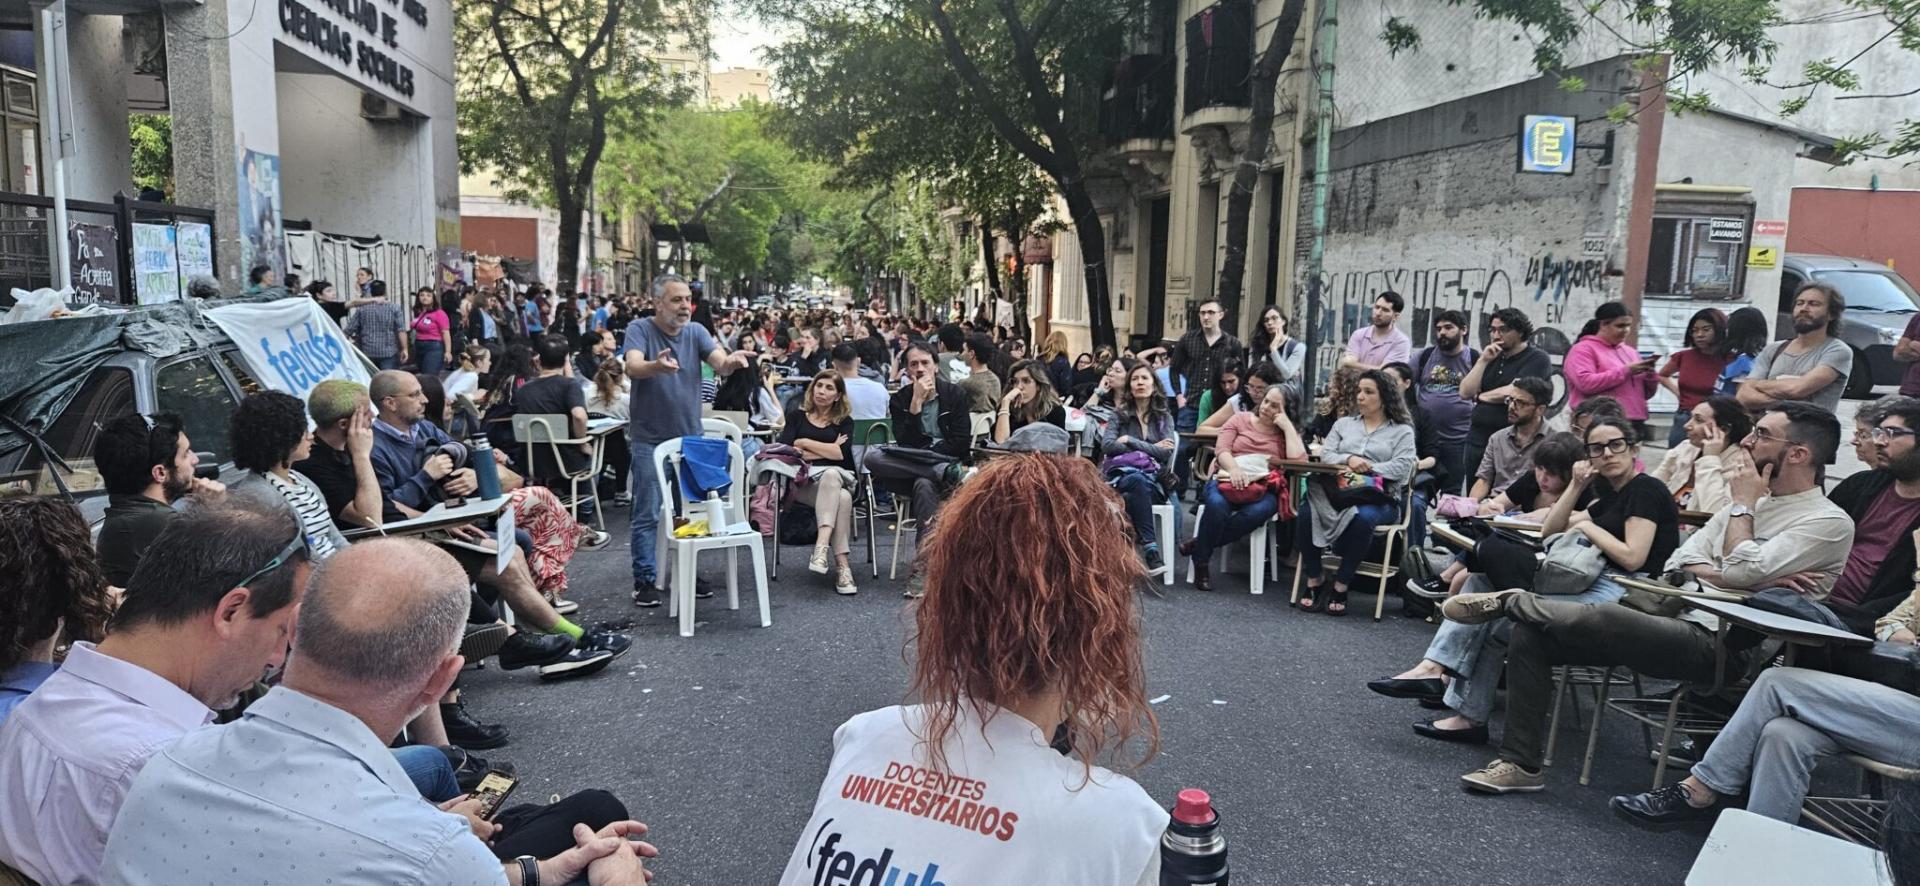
{"x": 95, "y": 270}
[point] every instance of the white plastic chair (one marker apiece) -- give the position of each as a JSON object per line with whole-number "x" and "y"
{"x": 534, "y": 430}
{"x": 1163, "y": 529}
{"x": 720, "y": 427}
{"x": 680, "y": 566}
{"x": 980, "y": 425}
{"x": 1256, "y": 553}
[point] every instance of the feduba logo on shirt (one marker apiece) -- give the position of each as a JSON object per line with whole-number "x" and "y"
{"x": 833, "y": 866}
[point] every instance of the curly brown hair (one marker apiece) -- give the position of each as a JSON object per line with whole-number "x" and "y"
{"x": 46, "y": 552}
{"x": 1003, "y": 622}
{"x": 1340, "y": 392}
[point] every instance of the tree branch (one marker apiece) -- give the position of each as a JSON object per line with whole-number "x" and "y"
{"x": 983, "y": 94}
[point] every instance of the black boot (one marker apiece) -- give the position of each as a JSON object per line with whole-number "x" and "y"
{"x": 465, "y": 731}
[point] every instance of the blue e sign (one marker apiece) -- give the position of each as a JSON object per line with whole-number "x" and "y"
{"x": 1546, "y": 144}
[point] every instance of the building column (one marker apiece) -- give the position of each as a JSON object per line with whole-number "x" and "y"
{"x": 200, "y": 100}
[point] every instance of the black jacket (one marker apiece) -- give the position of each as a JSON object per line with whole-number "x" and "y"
{"x": 956, "y": 427}
{"x": 1893, "y": 581}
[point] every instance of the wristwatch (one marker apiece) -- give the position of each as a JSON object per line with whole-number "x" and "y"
{"x": 1739, "y": 510}
{"x": 529, "y": 870}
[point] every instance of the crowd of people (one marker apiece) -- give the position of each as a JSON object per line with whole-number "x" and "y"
{"x": 227, "y": 647}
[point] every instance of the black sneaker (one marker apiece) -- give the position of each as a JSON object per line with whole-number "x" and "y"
{"x": 466, "y": 732}
{"x": 611, "y": 641}
{"x": 644, "y": 595}
{"x": 702, "y": 590}
{"x": 579, "y": 662}
{"x": 1663, "y": 809}
{"x": 1431, "y": 589}
{"x": 525, "y": 649}
{"x": 1151, "y": 554}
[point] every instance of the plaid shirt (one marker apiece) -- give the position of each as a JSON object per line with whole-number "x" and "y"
{"x": 377, "y": 329}
{"x": 1199, "y": 363}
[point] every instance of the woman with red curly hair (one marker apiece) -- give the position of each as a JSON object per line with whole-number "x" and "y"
{"x": 1016, "y": 644}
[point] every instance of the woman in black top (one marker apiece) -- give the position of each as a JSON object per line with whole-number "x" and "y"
{"x": 821, "y": 427}
{"x": 1031, "y": 398}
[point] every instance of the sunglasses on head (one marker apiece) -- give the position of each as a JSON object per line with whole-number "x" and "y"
{"x": 301, "y": 542}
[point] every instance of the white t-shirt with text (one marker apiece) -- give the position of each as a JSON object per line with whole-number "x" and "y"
{"x": 1008, "y": 809}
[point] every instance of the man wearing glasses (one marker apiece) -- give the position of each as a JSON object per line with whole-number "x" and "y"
{"x": 1885, "y": 505}
{"x": 146, "y": 464}
{"x": 1509, "y": 452}
{"x": 1780, "y": 532}
{"x": 197, "y": 628}
{"x": 1506, "y": 357}
{"x": 1198, "y": 358}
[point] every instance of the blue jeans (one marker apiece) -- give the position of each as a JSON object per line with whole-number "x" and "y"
{"x": 1185, "y": 420}
{"x": 645, "y": 511}
{"x": 391, "y": 361}
{"x": 429, "y": 770}
{"x": 432, "y": 357}
{"x": 1476, "y": 654}
{"x": 1351, "y": 546}
{"x": 1417, "y": 526}
{"x": 1224, "y": 523}
{"x": 1141, "y": 493}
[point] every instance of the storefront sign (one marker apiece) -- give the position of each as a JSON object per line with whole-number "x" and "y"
{"x": 1546, "y": 144}
{"x": 95, "y": 271}
{"x": 328, "y": 29}
{"x": 290, "y": 345}
{"x": 1764, "y": 258}
{"x": 194, "y": 242}
{"x": 156, "y": 266}
{"x": 1726, "y": 230}
{"x": 1764, "y": 228}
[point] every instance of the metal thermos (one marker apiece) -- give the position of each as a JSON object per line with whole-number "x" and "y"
{"x": 485, "y": 472}
{"x": 1193, "y": 852}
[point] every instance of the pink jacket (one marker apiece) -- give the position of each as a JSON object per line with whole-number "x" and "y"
{"x": 1593, "y": 369}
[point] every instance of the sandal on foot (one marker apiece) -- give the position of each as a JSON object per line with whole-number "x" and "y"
{"x": 1310, "y": 599}
{"x": 1336, "y": 598}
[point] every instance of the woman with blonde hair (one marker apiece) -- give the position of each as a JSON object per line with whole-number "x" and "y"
{"x": 1053, "y": 355}
{"x": 821, "y": 427}
{"x": 1019, "y": 649}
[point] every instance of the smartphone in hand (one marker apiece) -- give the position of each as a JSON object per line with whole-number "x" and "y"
{"x": 493, "y": 791}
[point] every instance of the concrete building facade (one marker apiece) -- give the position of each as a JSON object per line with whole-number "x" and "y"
{"x": 732, "y": 87}
{"x": 335, "y": 116}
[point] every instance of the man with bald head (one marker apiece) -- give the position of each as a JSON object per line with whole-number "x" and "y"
{"x": 306, "y": 773}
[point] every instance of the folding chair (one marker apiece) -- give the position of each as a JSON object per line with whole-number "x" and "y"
{"x": 872, "y": 432}
{"x": 1384, "y": 570}
{"x": 535, "y": 430}
{"x": 1859, "y": 818}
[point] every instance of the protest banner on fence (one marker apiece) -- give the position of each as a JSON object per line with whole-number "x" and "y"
{"x": 290, "y": 345}
{"x": 195, "y": 244}
{"x": 156, "y": 266}
{"x": 95, "y": 267}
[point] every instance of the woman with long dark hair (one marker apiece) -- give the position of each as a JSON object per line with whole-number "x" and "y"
{"x": 1375, "y": 441}
{"x": 1694, "y": 373}
{"x": 1029, "y": 674}
{"x": 1248, "y": 447}
{"x": 1746, "y": 336}
{"x": 1272, "y": 345}
{"x": 432, "y": 332}
{"x": 1602, "y": 364}
{"x": 1030, "y": 398}
{"x": 1138, "y": 446}
{"x": 1691, "y": 468}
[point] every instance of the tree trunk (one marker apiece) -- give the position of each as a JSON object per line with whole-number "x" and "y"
{"x": 568, "y": 273}
{"x": 1017, "y": 233}
{"x": 986, "y": 256}
{"x": 1092, "y": 236}
{"x": 1246, "y": 174}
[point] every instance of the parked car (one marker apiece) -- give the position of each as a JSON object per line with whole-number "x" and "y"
{"x": 202, "y": 386}
{"x": 1879, "y": 304}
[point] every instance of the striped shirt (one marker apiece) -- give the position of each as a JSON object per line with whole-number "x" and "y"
{"x": 312, "y": 508}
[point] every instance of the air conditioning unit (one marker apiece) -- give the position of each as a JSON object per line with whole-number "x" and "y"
{"x": 373, "y": 107}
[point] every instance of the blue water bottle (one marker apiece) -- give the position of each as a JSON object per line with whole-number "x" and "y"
{"x": 485, "y": 472}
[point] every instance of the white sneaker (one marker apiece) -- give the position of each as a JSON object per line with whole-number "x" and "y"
{"x": 843, "y": 582}
{"x": 818, "y": 562}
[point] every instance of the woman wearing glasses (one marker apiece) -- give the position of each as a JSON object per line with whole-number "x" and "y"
{"x": 1631, "y": 520}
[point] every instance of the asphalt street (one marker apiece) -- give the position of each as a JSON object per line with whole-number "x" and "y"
{"x": 719, "y": 742}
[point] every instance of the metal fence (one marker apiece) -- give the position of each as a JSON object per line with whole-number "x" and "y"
{"x": 25, "y": 262}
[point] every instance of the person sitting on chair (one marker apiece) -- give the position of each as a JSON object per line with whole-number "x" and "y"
{"x": 556, "y": 392}
{"x": 1137, "y": 448}
{"x": 1030, "y": 398}
{"x": 929, "y": 416}
{"x": 822, "y": 429}
{"x": 1691, "y": 469}
{"x": 1245, "y": 453}
{"x": 1376, "y": 440}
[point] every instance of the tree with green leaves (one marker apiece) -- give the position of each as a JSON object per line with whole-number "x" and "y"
{"x": 884, "y": 88}
{"x": 152, "y": 140}
{"x": 545, "y": 84}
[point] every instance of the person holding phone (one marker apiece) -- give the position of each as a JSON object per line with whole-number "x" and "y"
{"x": 1602, "y": 364}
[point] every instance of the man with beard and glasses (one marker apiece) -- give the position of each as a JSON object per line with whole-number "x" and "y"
{"x": 146, "y": 464}
{"x": 198, "y": 627}
{"x": 1811, "y": 366}
{"x": 1437, "y": 372}
{"x": 1780, "y": 532}
{"x": 1885, "y": 506}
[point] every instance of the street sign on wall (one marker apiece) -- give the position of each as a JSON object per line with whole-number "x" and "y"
{"x": 1546, "y": 144}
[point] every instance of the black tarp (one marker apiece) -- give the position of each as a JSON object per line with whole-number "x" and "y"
{"x": 43, "y": 364}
